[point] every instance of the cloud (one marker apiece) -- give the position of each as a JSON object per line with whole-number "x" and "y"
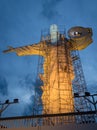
{"x": 27, "y": 90}
{"x": 3, "y": 86}
{"x": 27, "y": 82}
{"x": 49, "y": 8}
{"x": 32, "y": 95}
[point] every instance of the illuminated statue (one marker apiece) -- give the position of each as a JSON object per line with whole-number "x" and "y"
{"x": 58, "y": 73}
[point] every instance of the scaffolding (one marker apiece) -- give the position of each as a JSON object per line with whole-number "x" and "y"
{"x": 58, "y": 75}
{"x": 70, "y": 78}
{"x": 60, "y": 72}
{"x": 82, "y": 104}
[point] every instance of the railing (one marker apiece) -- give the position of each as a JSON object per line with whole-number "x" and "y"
{"x": 51, "y": 119}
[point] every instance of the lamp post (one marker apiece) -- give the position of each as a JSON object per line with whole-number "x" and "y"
{"x": 92, "y": 99}
{"x": 4, "y": 105}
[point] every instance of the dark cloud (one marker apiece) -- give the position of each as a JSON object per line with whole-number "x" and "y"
{"x": 29, "y": 108}
{"x": 3, "y": 86}
{"x": 49, "y": 8}
{"x": 30, "y": 82}
{"x": 35, "y": 107}
{"x": 33, "y": 87}
{"x": 27, "y": 90}
{"x": 27, "y": 82}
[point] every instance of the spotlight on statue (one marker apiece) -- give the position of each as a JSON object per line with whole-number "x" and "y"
{"x": 7, "y": 101}
{"x": 16, "y": 100}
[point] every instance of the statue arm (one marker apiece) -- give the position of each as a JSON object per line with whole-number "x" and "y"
{"x": 34, "y": 49}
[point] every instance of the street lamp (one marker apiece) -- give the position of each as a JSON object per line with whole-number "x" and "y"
{"x": 91, "y": 99}
{"x": 6, "y": 104}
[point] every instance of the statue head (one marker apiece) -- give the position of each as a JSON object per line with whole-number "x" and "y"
{"x": 54, "y": 33}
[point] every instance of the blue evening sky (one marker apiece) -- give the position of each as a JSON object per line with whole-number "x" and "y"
{"x": 21, "y": 22}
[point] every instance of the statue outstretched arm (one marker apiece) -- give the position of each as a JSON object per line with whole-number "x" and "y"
{"x": 34, "y": 49}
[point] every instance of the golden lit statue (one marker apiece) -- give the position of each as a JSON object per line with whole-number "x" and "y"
{"x": 58, "y": 73}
